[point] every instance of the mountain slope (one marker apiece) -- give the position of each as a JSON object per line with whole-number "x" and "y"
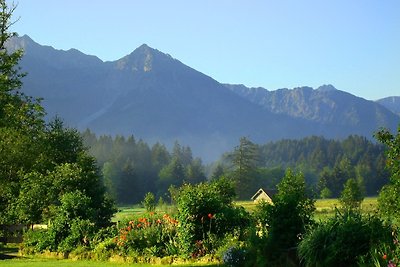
{"x": 148, "y": 94}
{"x": 156, "y": 97}
{"x": 392, "y": 103}
{"x": 334, "y": 110}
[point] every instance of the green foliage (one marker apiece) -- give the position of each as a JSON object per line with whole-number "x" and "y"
{"x": 282, "y": 223}
{"x": 325, "y": 193}
{"x": 21, "y": 122}
{"x": 389, "y": 197}
{"x": 39, "y": 162}
{"x": 206, "y": 212}
{"x": 152, "y": 235}
{"x": 351, "y": 196}
{"x": 384, "y": 253}
{"x": 149, "y": 202}
{"x": 245, "y": 159}
{"x": 132, "y": 168}
{"x": 329, "y": 163}
{"x": 343, "y": 239}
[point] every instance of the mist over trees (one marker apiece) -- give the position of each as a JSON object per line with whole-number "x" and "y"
{"x": 131, "y": 168}
{"x": 326, "y": 164}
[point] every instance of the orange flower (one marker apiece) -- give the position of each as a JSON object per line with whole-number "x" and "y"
{"x": 142, "y": 220}
{"x": 139, "y": 225}
{"x": 384, "y": 256}
{"x": 158, "y": 221}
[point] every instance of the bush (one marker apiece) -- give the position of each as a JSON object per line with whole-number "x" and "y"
{"x": 149, "y": 202}
{"x": 343, "y": 239}
{"x": 148, "y": 236}
{"x": 80, "y": 234}
{"x": 351, "y": 196}
{"x": 206, "y": 213}
{"x": 105, "y": 249}
{"x": 35, "y": 242}
{"x": 282, "y": 224}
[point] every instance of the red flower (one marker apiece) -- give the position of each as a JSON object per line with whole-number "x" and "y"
{"x": 384, "y": 256}
{"x": 210, "y": 216}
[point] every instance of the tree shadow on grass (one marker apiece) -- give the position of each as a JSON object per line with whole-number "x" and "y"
{"x": 8, "y": 252}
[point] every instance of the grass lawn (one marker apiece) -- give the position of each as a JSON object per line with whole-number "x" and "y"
{"x": 325, "y": 208}
{"x": 11, "y": 250}
{"x": 127, "y": 212}
{"x": 34, "y": 262}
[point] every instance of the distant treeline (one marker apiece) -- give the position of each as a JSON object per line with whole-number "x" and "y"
{"x": 330, "y": 163}
{"x": 327, "y": 164}
{"x": 131, "y": 167}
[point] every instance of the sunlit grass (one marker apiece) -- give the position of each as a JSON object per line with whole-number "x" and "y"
{"x": 125, "y": 212}
{"x": 325, "y": 208}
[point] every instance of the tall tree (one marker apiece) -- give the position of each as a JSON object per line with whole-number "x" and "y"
{"x": 352, "y": 195}
{"x": 21, "y": 120}
{"x": 245, "y": 159}
{"x": 39, "y": 162}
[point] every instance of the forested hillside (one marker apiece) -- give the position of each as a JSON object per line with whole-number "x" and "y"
{"x": 327, "y": 164}
{"x": 131, "y": 167}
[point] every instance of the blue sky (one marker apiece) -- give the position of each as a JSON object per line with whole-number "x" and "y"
{"x": 351, "y": 44}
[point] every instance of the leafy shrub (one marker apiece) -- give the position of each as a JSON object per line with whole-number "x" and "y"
{"x": 35, "y": 241}
{"x": 80, "y": 234}
{"x": 281, "y": 224}
{"x": 69, "y": 228}
{"x": 149, "y": 202}
{"x": 105, "y": 249}
{"x": 351, "y": 196}
{"x": 343, "y": 239}
{"x": 153, "y": 236}
{"x": 206, "y": 213}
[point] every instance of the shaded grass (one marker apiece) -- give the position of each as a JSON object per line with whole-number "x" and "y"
{"x": 37, "y": 262}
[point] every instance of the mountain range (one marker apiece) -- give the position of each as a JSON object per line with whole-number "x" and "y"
{"x": 157, "y": 98}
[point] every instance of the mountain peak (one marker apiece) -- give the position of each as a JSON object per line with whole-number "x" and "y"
{"x": 142, "y": 59}
{"x": 144, "y": 47}
{"x": 327, "y": 88}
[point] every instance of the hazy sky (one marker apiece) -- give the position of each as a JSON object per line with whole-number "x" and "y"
{"x": 352, "y": 44}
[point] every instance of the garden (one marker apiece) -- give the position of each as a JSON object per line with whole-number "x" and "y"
{"x": 206, "y": 227}
{"x": 48, "y": 177}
